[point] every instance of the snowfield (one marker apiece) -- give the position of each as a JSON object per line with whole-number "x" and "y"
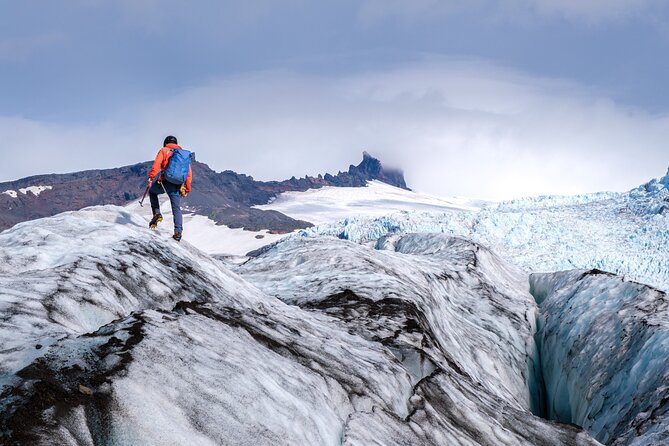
{"x": 329, "y": 204}
{"x": 205, "y": 234}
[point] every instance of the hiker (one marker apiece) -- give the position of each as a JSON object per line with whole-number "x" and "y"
{"x": 172, "y": 180}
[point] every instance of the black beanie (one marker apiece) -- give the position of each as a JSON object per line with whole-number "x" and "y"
{"x": 170, "y": 140}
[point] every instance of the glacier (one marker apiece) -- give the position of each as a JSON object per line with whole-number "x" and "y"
{"x": 623, "y": 233}
{"x": 534, "y": 321}
{"x": 113, "y": 334}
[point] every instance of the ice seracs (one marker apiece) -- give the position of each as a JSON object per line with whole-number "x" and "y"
{"x": 624, "y": 233}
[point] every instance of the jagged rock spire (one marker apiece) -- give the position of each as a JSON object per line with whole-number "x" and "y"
{"x": 371, "y": 169}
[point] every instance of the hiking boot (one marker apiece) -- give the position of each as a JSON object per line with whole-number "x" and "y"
{"x": 157, "y": 218}
{"x": 177, "y": 236}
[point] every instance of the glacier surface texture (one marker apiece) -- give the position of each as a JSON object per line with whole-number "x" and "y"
{"x": 111, "y": 334}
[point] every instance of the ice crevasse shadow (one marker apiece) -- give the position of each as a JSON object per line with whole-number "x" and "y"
{"x": 604, "y": 344}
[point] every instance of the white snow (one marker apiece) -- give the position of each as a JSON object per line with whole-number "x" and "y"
{"x": 35, "y": 190}
{"x": 214, "y": 239}
{"x": 329, "y": 204}
{"x": 205, "y": 234}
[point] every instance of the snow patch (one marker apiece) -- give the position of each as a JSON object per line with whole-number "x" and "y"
{"x": 35, "y": 190}
{"x": 203, "y": 232}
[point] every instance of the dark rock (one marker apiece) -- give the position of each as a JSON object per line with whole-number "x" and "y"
{"x": 253, "y": 219}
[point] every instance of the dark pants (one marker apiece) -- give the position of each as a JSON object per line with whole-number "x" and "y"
{"x": 174, "y": 194}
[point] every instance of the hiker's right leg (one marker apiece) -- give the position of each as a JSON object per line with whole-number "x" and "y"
{"x": 155, "y": 203}
{"x": 156, "y": 216}
{"x": 156, "y": 189}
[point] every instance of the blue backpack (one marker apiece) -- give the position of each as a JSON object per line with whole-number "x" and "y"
{"x": 177, "y": 167}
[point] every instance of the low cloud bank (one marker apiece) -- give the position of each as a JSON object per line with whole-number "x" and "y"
{"x": 457, "y": 127}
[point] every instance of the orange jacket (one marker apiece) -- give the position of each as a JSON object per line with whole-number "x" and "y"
{"x": 160, "y": 164}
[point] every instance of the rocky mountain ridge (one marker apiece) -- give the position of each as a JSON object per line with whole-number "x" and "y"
{"x": 226, "y": 197}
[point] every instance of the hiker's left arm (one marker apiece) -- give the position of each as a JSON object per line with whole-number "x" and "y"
{"x": 188, "y": 179}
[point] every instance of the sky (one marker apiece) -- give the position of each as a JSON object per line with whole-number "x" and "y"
{"x": 478, "y": 98}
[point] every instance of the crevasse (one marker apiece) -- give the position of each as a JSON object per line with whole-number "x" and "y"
{"x": 604, "y": 345}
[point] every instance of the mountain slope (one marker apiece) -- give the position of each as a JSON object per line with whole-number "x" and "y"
{"x": 226, "y": 197}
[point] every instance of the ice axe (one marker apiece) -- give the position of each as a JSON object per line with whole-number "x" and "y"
{"x": 141, "y": 202}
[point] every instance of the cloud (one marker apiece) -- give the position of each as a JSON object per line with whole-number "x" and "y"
{"x": 457, "y": 127}
{"x": 372, "y": 11}
{"x": 173, "y": 16}
{"x": 590, "y": 11}
{"x": 21, "y": 49}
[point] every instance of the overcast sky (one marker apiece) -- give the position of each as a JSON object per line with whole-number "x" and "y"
{"x": 479, "y": 98}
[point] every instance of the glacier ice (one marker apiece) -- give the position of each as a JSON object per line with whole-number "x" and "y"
{"x": 624, "y": 233}
{"x": 426, "y": 340}
{"x": 605, "y": 355}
